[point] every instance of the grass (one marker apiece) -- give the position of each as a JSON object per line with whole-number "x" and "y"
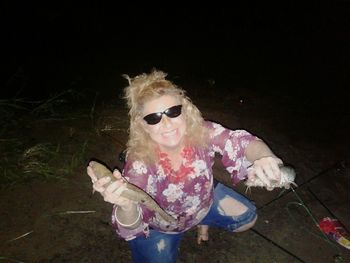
{"x": 7, "y": 259}
{"x": 24, "y": 159}
{"x": 28, "y": 152}
{"x": 50, "y": 104}
{"x": 37, "y": 159}
{"x": 42, "y": 161}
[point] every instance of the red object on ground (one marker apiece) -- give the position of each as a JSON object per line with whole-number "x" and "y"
{"x": 335, "y": 231}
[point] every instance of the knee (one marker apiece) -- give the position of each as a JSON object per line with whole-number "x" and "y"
{"x": 247, "y": 226}
{"x": 231, "y": 207}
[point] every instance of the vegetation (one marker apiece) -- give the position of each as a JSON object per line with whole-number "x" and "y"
{"x": 45, "y": 157}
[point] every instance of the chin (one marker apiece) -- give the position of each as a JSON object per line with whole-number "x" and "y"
{"x": 172, "y": 145}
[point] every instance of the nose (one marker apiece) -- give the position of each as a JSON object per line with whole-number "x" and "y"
{"x": 166, "y": 121}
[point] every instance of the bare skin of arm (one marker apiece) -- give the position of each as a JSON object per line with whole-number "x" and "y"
{"x": 127, "y": 212}
{"x": 258, "y": 149}
{"x": 265, "y": 162}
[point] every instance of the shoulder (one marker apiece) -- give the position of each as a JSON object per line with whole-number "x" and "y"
{"x": 211, "y": 125}
{"x": 215, "y": 128}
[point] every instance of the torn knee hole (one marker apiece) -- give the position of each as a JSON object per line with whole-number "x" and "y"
{"x": 231, "y": 207}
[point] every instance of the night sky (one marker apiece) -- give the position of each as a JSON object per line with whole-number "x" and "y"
{"x": 46, "y": 47}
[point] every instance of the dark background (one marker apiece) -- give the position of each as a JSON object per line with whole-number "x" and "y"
{"x": 301, "y": 48}
{"x": 278, "y": 70}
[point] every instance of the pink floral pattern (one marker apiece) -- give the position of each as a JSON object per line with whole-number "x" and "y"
{"x": 186, "y": 193}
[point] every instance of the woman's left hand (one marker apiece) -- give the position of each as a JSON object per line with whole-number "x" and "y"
{"x": 266, "y": 169}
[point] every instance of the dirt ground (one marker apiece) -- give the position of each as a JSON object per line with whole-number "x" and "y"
{"x": 308, "y": 132}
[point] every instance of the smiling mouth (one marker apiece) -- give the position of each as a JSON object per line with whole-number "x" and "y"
{"x": 170, "y": 133}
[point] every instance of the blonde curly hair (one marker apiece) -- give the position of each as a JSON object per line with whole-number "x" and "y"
{"x": 145, "y": 87}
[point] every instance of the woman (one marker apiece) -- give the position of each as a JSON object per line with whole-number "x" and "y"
{"x": 170, "y": 154}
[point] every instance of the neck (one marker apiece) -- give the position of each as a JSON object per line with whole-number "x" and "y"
{"x": 172, "y": 151}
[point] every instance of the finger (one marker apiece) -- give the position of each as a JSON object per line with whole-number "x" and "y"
{"x": 91, "y": 173}
{"x": 251, "y": 175}
{"x": 275, "y": 167}
{"x": 117, "y": 200}
{"x": 269, "y": 188}
{"x": 267, "y": 169}
{"x": 260, "y": 173}
{"x": 279, "y": 161}
{"x": 117, "y": 174}
{"x": 102, "y": 182}
{"x": 112, "y": 187}
{"x": 98, "y": 188}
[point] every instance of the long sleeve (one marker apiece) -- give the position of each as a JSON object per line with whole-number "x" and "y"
{"x": 135, "y": 173}
{"x": 231, "y": 145}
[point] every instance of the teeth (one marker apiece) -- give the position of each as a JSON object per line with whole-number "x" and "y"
{"x": 171, "y": 133}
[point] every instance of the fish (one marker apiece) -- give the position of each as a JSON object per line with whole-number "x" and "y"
{"x": 288, "y": 175}
{"x": 131, "y": 191}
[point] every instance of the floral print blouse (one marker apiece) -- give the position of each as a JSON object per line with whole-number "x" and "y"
{"x": 186, "y": 193}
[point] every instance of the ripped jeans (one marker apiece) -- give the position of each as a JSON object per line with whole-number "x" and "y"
{"x": 163, "y": 247}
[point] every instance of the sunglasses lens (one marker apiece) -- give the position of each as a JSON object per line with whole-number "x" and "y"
{"x": 156, "y": 117}
{"x": 174, "y": 111}
{"x": 153, "y": 118}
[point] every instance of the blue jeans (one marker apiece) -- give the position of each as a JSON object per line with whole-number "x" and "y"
{"x": 160, "y": 247}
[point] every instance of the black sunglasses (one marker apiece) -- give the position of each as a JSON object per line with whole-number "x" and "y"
{"x": 156, "y": 117}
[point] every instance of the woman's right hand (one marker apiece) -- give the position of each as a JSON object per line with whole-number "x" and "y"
{"x": 109, "y": 191}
